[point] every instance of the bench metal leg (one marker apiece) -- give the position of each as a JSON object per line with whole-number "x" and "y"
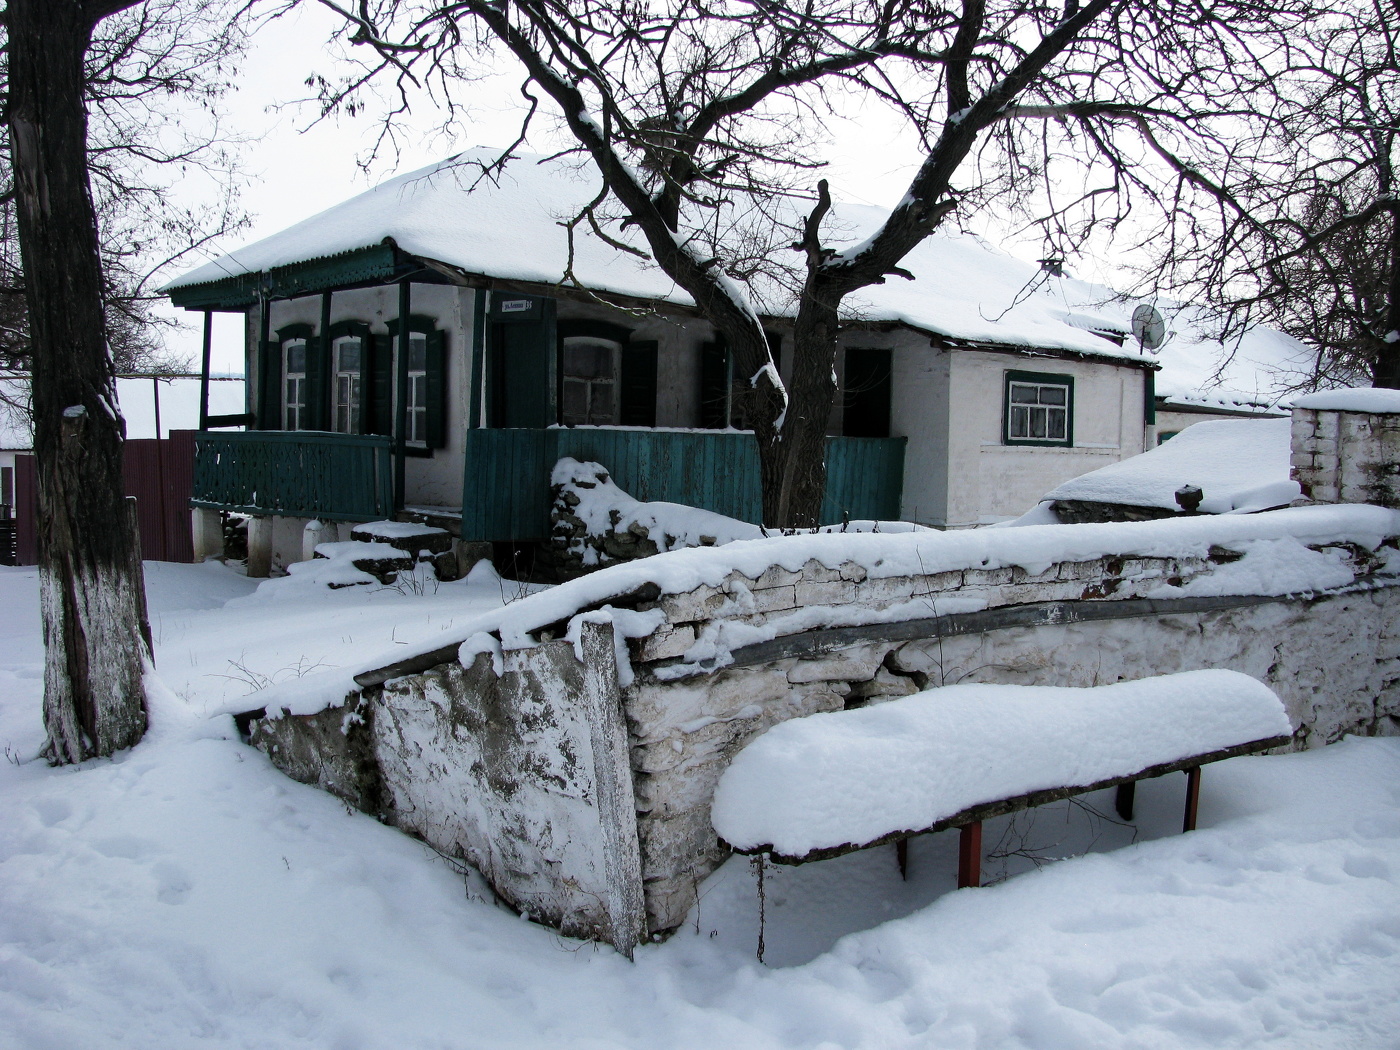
{"x": 1193, "y": 798}
{"x": 970, "y": 855}
{"x": 1123, "y": 802}
{"x": 901, "y": 854}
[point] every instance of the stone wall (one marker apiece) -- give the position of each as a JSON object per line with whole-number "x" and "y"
{"x": 1347, "y": 457}
{"x": 521, "y": 770}
{"x": 1334, "y": 661}
{"x": 587, "y": 804}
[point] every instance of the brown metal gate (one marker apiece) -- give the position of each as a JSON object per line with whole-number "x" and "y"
{"x": 159, "y": 474}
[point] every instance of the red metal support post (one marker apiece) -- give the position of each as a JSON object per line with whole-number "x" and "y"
{"x": 970, "y": 855}
{"x": 1193, "y": 798}
{"x": 1123, "y": 800}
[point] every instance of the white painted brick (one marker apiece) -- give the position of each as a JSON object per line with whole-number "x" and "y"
{"x": 986, "y": 577}
{"x": 846, "y": 665}
{"x": 776, "y": 576}
{"x": 835, "y": 592}
{"x": 665, "y": 643}
{"x": 815, "y": 572}
{"x": 1082, "y": 570}
{"x": 699, "y": 604}
{"x": 775, "y": 599}
{"x": 885, "y": 589}
{"x": 853, "y": 571}
{"x": 1020, "y": 576}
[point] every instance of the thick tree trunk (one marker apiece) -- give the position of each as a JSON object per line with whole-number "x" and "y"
{"x": 812, "y": 392}
{"x": 90, "y": 584}
{"x": 1386, "y": 370}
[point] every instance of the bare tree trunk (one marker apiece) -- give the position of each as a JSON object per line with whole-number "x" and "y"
{"x": 1386, "y": 371}
{"x": 90, "y": 585}
{"x": 812, "y": 392}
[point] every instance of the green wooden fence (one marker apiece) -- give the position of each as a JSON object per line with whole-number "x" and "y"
{"x": 337, "y": 477}
{"x": 506, "y": 495}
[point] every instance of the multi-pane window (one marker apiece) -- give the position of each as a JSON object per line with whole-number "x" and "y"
{"x": 349, "y": 375}
{"x": 1038, "y": 409}
{"x": 417, "y": 388}
{"x": 589, "y": 381}
{"x": 294, "y": 411}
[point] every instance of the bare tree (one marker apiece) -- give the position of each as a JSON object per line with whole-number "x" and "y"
{"x": 1301, "y": 229}
{"x": 695, "y": 110}
{"x": 153, "y": 76}
{"x": 91, "y": 591}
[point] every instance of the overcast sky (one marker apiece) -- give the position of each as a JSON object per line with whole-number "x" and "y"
{"x": 296, "y": 167}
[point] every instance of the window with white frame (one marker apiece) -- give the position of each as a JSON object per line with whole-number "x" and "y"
{"x": 417, "y": 389}
{"x": 348, "y": 384}
{"x": 294, "y": 388}
{"x": 589, "y": 380}
{"x": 1039, "y": 409}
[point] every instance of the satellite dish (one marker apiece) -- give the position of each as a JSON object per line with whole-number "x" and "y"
{"x": 1149, "y": 328}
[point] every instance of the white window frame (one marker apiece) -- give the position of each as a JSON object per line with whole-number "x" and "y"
{"x": 417, "y": 418}
{"x": 347, "y": 388}
{"x": 591, "y": 384}
{"x": 1021, "y": 409}
{"x": 294, "y": 408}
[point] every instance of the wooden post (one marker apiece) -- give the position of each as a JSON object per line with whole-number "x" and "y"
{"x": 326, "y": 410}
{"x": 401, "y": 402}
{"x": 1193, "y": 798}
{"x": 1123, "y": 801}
{"x": 901, "y": 855}
{"x": 970, "y": 855}
{"x": 160, "y": 478}
{"x": 204, "y": 371}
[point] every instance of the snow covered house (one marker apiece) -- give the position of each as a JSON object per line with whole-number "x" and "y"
{"x": 417, "y": 350}
{"x": 1248, "y": 377}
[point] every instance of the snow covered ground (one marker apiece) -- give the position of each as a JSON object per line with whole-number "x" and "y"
{"x": 187, "y": 894}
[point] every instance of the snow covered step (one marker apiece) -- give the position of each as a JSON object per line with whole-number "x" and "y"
{"x": 407, "y": 536}
{"x": 417, "y": 541}
{"x": 833, "y": 783}
{"x": 381, "y": 560}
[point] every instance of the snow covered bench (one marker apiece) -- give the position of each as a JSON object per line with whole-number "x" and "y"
{"x": 827, "y": 784}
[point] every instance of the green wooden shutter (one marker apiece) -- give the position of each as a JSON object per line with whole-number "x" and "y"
{"x": 270, "y": 385}
{"x": 381, "y": 381}
{"x": 637, "y": 387}
{"x": 714, "y": 385}
{"x": 317, "y": 384}
{"x": 435, "y": 381}
{"x": 866, "y": 406}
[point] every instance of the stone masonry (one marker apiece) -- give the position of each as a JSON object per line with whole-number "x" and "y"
{"x": 1347, "y": 457}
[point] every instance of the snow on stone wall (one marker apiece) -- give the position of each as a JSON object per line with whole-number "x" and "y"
{"x": 501, "y": 766}
{"x": 522, "y": 771}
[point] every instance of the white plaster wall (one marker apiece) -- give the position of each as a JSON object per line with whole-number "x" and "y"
{"x": 919, "y": 411}
{"x": 991, "y": 481}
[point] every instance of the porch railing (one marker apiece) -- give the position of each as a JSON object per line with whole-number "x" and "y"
{"x": 506, "y": 492}
{"x": 337, "y": 477}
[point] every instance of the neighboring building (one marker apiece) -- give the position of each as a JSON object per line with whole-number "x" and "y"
{"x": 1246, "y": 378}
{"x": 966, "y": 392}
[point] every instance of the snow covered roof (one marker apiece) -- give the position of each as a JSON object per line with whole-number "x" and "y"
{"x": 179, "y": 405}
{"x": 1254, "y": 372}
{"x": 509, "y": 229}
{"x": 1240, "y": 465}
